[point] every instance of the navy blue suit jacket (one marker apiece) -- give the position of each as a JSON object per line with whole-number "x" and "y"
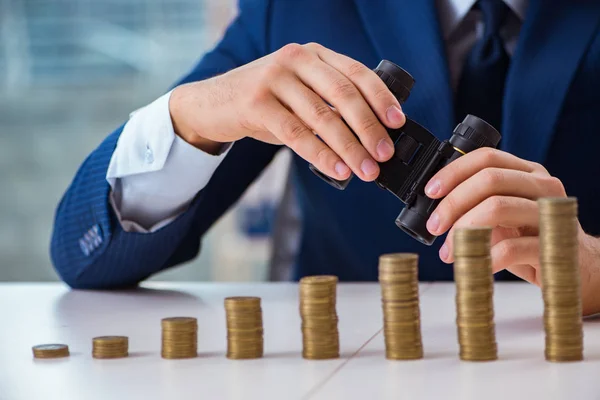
{"x": 552, "y": 116}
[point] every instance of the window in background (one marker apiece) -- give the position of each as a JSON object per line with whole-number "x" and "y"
{"x": 71, "y": 71}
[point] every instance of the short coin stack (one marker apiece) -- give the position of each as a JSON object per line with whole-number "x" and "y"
{"x": 179, "y": 337}
{"x": 474, "y": 294}
{"x": 110, "y": 347}
{"x": 398, "y": 277}
{"x": 320, "y": 337}
{"x": 244, "y": 327}
{"x": 50, "y": 351}
{"x": 561, "y": 286}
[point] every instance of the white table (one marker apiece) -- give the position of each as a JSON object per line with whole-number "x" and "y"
{"x": 48, "y": 313}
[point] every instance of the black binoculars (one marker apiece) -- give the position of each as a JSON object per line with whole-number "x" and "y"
{"x": 418, "y": 155}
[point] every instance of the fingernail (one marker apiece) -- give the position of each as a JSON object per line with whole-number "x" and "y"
{"x": 434, "y": 223}
{"x": 385, "y": 149}
{"x": 444, "y": 252}
{"x": 433, "y": 188}
{"x": 394, "y": 115}
{"x": 368, "y": 167}
{"x": 341, "y": 168}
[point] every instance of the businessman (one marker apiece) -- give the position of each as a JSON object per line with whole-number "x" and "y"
{"x": 141, "y": 202}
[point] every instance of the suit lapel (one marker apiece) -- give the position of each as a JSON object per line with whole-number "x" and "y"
{"x": 407, "y": 32}
{"x": 552, "y": 43}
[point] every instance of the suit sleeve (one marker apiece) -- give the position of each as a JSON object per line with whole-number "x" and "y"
{"x": 90, "y": 250}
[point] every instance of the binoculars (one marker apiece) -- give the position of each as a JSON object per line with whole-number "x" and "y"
{"x": 418, "y": 155}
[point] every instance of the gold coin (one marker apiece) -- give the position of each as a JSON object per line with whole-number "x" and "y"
{"x": 398, "y": 278}
{"x": 474, "y": 294}
{"x": 179, "y": 337}
{"x": 244, "y": 327}
{"x": 561, "y": 286}
{"x": 50, "y": 351}
{"x": 320, "y": 337}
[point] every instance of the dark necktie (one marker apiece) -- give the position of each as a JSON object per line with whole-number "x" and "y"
{"x": 481, "y": 86}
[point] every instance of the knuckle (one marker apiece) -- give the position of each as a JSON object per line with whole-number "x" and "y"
{"x": 322, "y": 156}
{"x": 492, "y": 176}
{"x": 449, "y": 205}
{"x": 291, "y": 51}
{"x": 495, "y": 204}
{"x": 292, "y": 129}
{"x": 489, "y": 155}
{"x": 505, "y": 251}
{"x": 355, "y": 68}
{"x": 555, "y": 185}
{"x": 313, "y": 46}
{"x": 343, "y": 89}
{"x": 352, "y": 146}
{"x": 322, "y": 113}
{"x": 369, "y": 125}
{"x": 539, "y": 167}
{"x": 259, "y": 97}
{"x": 270, "y": 71}
{"x": 383, "y": 93}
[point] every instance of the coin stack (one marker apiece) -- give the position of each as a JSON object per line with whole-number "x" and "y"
{"x": 320, "y": 337}
{"x": 179, "y": 337}
{"x": 474, "y": 294}
{"x": 110, "y": 347}
{"x": 50, "y": 351}
{"x": 398, "y": 277}
{"x": 561, "y": 286}
{"x": 244, "y": 327}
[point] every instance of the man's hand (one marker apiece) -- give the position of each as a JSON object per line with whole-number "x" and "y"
{"x": 488, "y": 187}
{"x": 287, "y": 96}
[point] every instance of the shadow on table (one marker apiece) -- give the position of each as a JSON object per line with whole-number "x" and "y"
{"x": 76, "y": 305}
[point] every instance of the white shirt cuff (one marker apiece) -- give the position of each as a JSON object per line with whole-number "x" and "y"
{"x": 154, "y": 174}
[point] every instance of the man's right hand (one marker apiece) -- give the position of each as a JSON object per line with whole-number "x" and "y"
{"x": 282, "y": 99}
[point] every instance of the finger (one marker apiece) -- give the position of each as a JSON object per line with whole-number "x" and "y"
{"x": 318, "y": 116}
{"x": 495, "y": 211}
{"x": 374, "y": 90}
{"x": 340, "y": 92}
{"x": 297, "y": 136}
{"x": 527, "y": 273}
{"x": 515, "y": 251}
{"x": 468, "y": 165}
{"x": 486, "y": 183}
{"x": 519, "y": 256}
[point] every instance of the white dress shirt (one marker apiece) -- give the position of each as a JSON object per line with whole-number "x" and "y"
{"x": 154, "y": 174}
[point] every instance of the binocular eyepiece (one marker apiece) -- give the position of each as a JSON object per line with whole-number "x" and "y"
{"x": 418, "y": 155}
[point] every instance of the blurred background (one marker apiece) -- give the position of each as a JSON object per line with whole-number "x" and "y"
{"x": 71, "y": 71}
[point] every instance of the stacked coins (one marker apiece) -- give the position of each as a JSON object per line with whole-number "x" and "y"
{"x": 474, "y": 294}
{"x": 179, "y": 337}
{"x": 110, "y": 347}
{"x": 320, "y": 337}
{"x": 244, "y": 327}
{"x": 561, "y": 286}
{"x": 50, "y": 351}
{"x": 398, "y": 277}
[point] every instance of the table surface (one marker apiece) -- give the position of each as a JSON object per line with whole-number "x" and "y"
{"x": 32, "y": 314}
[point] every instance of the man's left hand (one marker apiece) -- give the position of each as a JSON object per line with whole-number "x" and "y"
{"x": 489, "y": 187}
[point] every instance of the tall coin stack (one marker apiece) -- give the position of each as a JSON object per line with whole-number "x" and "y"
{"x": 179, "y": 337}
{"x": 561, "y": 286}
{"x": 398, "y": 277}
{"x": 474, "y": 294}
{"x": 320, "y": 336}
{"x": 244, "y": 327}
{"x": 110, "y": 347}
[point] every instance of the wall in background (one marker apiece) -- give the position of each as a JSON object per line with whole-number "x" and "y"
{"x": 71, "y": 71}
